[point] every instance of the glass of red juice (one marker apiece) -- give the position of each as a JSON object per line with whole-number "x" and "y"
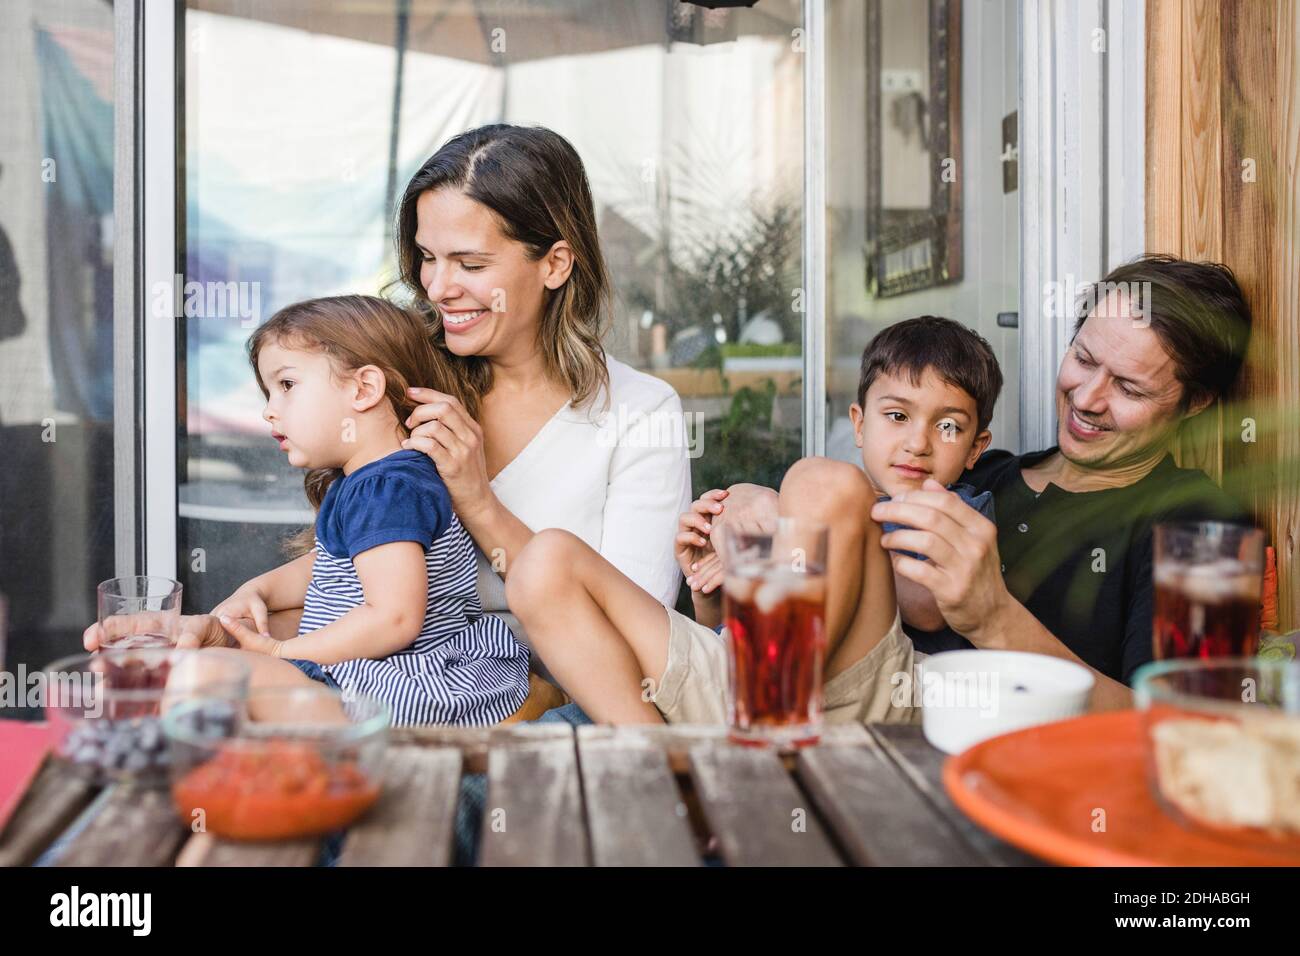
{"x": 774, "y": 605}
{"x": 1207, "y": 576}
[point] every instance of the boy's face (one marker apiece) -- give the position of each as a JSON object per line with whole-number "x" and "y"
{"x": 909, "y": 433}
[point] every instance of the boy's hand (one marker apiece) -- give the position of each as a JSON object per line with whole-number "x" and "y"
{"x": 693, "y": 547}
{"x": 246, "y": 602}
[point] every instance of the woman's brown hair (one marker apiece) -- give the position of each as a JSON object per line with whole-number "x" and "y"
{"x": 355, "y": 331}
{"x": 534, "y": 182}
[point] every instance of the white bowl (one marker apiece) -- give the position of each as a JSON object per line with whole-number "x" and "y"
{"x": 970, "y": 696}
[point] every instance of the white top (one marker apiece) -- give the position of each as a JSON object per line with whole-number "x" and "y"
{"x": 616, "y": 476}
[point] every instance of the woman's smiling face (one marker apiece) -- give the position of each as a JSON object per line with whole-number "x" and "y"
{"x": 489, "y": 293}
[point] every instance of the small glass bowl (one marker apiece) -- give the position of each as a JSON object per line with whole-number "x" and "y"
{"x": 104, "y": 708}
{"x": 1223, "y": 746}
{"x": 295, "y": 762}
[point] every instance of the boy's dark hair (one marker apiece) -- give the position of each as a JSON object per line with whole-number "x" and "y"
{"x": 958, "y": 355}
{"x": 1196, "y": 308}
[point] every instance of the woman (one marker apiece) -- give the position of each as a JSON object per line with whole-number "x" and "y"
{"x": 497, "y": 240}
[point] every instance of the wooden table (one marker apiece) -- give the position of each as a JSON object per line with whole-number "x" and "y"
{"x": 603, "y": 796}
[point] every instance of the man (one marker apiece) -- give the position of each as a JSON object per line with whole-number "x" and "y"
{"x": 1067, "y": 571}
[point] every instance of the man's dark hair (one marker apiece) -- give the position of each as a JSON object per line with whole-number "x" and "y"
{"x": 1196, "y": 308}
{"x": 958, "y": 355}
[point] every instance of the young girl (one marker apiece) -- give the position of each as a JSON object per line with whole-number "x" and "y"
{"x": 388, "y": 590}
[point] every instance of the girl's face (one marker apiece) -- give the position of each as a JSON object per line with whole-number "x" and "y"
{"x": 312, "y": 415}
{"x": 489, "y": 293}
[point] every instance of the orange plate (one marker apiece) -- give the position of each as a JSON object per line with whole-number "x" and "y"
{"x": 1041, "y": 788}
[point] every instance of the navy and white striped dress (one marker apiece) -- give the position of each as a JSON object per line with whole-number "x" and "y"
{"x": 465, "y": 667}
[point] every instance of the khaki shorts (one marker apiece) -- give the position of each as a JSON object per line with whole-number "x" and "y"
{"x": 693, "y": 689}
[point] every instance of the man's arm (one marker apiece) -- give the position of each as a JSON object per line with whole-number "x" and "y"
{"x": 964, "y": 574}
{"x": 916, "y": 605}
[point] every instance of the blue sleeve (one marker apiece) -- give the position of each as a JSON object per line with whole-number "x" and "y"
{"x": 385, "y": 508}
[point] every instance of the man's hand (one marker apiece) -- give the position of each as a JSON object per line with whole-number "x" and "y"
{"x": 964, "y": 572}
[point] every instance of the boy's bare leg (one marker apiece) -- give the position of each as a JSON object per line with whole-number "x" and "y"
{"x": 860, "y": 604}
{"x": 598, "y": 633}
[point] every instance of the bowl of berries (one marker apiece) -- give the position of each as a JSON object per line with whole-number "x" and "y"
{"x": 105, "y": 708}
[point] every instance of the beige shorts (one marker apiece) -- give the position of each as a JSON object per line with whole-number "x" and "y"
{"x": 693, "y": 689}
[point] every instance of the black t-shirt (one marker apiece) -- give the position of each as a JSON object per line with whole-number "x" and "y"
{"x": 1081, "y": 561}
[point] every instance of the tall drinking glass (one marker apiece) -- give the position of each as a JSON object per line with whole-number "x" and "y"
{"x": 139, "y": 611}
{"x": 1208, "y": 577}
{"x": 774, "y": 604}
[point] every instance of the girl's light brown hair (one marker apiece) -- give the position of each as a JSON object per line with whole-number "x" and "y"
{"x": 534, "y": 182}
{"x": 354, "y": 331}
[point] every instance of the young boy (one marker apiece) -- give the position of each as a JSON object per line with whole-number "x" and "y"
{"x": 925, "y": 399}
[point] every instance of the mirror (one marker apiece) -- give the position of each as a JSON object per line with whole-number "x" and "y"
{"x": 914, "y": 152}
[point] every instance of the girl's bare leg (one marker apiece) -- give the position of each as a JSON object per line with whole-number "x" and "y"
{"x": 860, "y": 604}
{"x": 600, "y": 634}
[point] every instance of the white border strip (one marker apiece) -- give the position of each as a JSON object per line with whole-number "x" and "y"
{"x": 814, "y": 228}
{"x": 158, "y": 165}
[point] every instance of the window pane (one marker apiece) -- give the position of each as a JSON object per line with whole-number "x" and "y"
{"x": 893, "y": 254}
{"x": 690, "y": 125}
{"x": 56, "y": 321}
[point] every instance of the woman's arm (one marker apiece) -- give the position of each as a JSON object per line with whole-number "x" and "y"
{"x": 394, "y": 582}
{"x": 444, "y": 430}
{"x": 649, "y": 488}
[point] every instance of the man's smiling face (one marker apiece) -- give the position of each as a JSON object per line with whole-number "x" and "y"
{"x": 1118, "y": 399}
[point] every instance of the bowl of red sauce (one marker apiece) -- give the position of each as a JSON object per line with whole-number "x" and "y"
{"x": 295, "y": 762}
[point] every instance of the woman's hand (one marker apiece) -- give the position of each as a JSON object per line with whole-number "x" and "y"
{"x": 193, "y": 630}
{"x": 694, "y": 548}
{"x": 443, "y": 429}
{"x": 964, "y": 572}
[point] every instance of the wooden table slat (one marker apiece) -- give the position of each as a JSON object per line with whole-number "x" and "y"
{"x": 475, "y": 742}
{"x": 635, "y": 814}
{"x": 906, "y": 745}
{"x": 534, "y": 815}
{"x": 876, "y": 813}
{"x": 755, "y": 810}
{"x": 53, "y": 801}
{"x": 206, "y": 849}
{"x": 136, "y": 826}
{"x": 413, "y": 824}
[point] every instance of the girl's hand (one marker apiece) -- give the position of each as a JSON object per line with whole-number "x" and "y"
{"x": 249, "y": 639}
{"x": 693, "y": 546}
{"x": 246, "y": 602}
{"x": 443, "y": 429}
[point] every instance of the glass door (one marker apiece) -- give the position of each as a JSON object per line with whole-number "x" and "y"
{"x": 302, "y": 122}
{"x": 923, "y": 214}
{"x": 57, "y": 379}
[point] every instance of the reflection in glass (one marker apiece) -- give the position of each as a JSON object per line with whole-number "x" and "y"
{"x": 56, "y": 321}
{"x": 303, "y": 121}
